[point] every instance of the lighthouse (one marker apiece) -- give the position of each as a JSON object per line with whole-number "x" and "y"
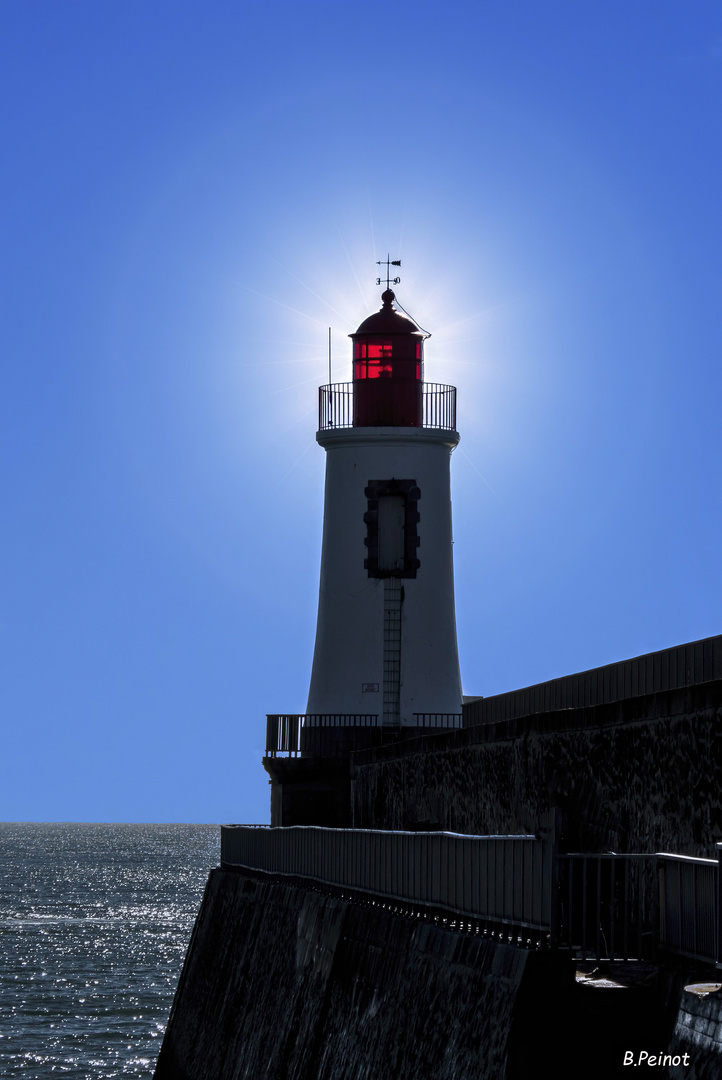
{"x": 385, "y": 664}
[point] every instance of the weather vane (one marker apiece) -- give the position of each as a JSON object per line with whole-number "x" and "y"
{"x": 388, "y": 262}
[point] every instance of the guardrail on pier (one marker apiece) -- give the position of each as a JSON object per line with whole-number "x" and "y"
{"x": 503, "y": 881}
{"x": 690, "y": 907}
{"x": 283, "y": 730}
{"x": 437, "y": 719}
{"x": 601, "y": 906}
{"x": 608, "y": 905}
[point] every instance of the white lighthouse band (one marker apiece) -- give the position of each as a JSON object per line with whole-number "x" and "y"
{"x": 386, "y": 632}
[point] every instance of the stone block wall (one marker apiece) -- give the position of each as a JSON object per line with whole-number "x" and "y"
{"x": 644, "y": 774}
{"x": 698, "y": 1035}
{"x": 285, "y": 983}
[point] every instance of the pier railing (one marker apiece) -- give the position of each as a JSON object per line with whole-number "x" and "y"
{"x": 499, "y": 881}
{"x": 608, "y": 905}
{"x": 437, "y": 719}
{"x": 600, "y": 906}
{"x": 690, "y": 908}
{"x": 438, "y": 406}
{"x": 283, "y": 730}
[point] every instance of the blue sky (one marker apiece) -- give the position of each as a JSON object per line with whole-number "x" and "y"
{"x": 191, "y": 195}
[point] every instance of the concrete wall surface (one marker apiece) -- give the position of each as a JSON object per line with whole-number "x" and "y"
{"x": 284, "y": 983}
{"x": 642, "y": 775}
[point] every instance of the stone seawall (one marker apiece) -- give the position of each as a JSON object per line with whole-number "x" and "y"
{"x": 698, "y": 1033}
{"x": 285, "y": 983}
{"x": 643, "y": 774}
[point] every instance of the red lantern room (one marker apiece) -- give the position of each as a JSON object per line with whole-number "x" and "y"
{"x": 387, "y": 369}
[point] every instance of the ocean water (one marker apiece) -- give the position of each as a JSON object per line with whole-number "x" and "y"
{"x": 94, "y": 925}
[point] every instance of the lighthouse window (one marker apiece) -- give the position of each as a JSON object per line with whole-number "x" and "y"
{"x": 373, "y": 350}
{"x": 372, "y": 369}
{"x": 372, "y": 359}
{"x": 392, "y": 536}
{"x": 392, "y": 513}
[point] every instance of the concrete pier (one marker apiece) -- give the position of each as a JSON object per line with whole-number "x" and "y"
{"x": 285, "y": 982}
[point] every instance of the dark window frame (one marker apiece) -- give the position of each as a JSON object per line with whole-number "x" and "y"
{"x": 375, "y": 490}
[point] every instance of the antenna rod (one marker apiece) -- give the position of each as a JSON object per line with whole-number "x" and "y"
{"x": 329, "y": 356}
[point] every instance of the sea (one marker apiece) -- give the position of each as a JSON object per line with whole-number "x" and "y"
{"x": 95, "y": 921}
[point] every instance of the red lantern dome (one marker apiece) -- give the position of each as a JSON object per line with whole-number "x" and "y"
{"x": 387, "y": 369}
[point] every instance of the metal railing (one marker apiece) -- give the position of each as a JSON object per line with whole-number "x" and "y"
{"x": 283, "y": 730}
{"x": 608, "y": 905}
{"x": 341, "y": 720}
{"x": 689, "y": 905}
{"x": 335, "y": 406}
{"x": 283, "y": 734}
{"x": 500, "y": 881}
{"x": 601, "y": 906}
{"x": 437, "y": 719}
{"x": 439, "y": 406}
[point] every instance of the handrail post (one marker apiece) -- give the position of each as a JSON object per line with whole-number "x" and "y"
{"x": 271, "y": 734}
{"x": 718, "y": 919}
{"x": 550, "y": 830}
{"x": 661, "y": 902}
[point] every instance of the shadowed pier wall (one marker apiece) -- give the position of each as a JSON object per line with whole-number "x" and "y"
{"x": 286, "y": 982}
{"x": 643, "y": 774}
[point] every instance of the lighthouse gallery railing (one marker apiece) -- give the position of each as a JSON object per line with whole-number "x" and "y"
{"x": 335, "y": 406}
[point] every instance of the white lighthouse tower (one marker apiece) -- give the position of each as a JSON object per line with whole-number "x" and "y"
{"x": 385, "y": 662}
{"x": 386, "y": 631}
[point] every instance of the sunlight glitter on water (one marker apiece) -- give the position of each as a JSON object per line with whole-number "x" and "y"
{"x": 94, "y": 924}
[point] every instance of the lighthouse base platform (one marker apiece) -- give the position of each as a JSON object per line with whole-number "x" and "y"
{"x": 315, "y": 786}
